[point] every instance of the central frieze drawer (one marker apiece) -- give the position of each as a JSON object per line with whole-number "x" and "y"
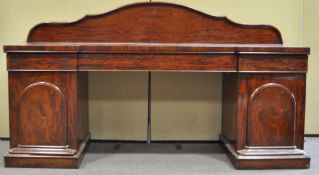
{"x": 158, "y": 62}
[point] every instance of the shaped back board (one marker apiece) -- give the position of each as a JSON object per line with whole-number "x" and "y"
{"x": 154, "y": 22}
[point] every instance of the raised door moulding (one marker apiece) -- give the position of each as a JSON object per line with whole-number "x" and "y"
{"x": 59, "y": 149}
{"x": 289, "y": 149}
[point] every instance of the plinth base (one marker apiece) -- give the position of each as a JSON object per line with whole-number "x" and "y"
{"x": 267, "y": 158}
{"x": 46, "y": 161}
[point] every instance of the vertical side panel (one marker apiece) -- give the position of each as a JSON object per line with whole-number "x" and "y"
{"x": 229, "y": 107}
{"x": 83, "y": 106}
{"x": 300, "y": 110}
{"x": 242, "y": 100}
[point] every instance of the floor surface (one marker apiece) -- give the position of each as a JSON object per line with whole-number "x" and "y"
{"x": 157, "y": 159}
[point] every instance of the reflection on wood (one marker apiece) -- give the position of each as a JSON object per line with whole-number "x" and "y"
{"x": 271, "y": 116}
{"x": 43, "y": 105}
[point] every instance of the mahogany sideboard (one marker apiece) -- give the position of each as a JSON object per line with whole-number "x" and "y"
{"x": 263, "y": 103}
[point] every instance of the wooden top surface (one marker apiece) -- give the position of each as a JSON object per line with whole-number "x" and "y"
{"x": 155, "y": 48}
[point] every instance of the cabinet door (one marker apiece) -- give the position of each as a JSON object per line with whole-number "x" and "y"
{"x": 42, "y": 115}
{"x": 275, "y": 110}
{"x": 40, "y": 108}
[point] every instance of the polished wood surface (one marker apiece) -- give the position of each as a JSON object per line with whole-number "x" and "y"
{"x": 155, "y": 22}
{"x": 263, "y": 81}
{"x": 42, "y": 61}
{"x": 274, "y": 63}
{"x": 273, "y": 110}
{"x": 157, "y": 62}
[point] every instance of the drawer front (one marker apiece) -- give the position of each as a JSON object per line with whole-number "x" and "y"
{"x": 41, "y": 61}
{"x": 158, "y": 62}
{"x": 272, "y": 63}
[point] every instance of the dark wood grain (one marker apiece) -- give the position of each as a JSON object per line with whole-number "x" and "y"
{"x": 263, "y": 81}
{"x": 65, "y": 84}
{"x": 241, "y": 115}
{"x": 83, "y": 105}
{"x": 273, "y": 63}
{"x": 282, "y": 94}
{"x": 144, "y": 47}
{"x": 50, "y": 86}
{"x": 267, "y": 110}
{"x": 47, "y": 161}
{"x": 42, "y": 48}
{"x": 297, "y": 163}
{"x": 155, "y": 22}
{"x": 271, "y": 115}
{"x": 41, "y": 61}
{"x": 42, "y": 104}
{"x": 157, "y": 62}
{"x": 260, "y": 162}
{"x": 229, "y": 107}
{"x": 270, "y": 50}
